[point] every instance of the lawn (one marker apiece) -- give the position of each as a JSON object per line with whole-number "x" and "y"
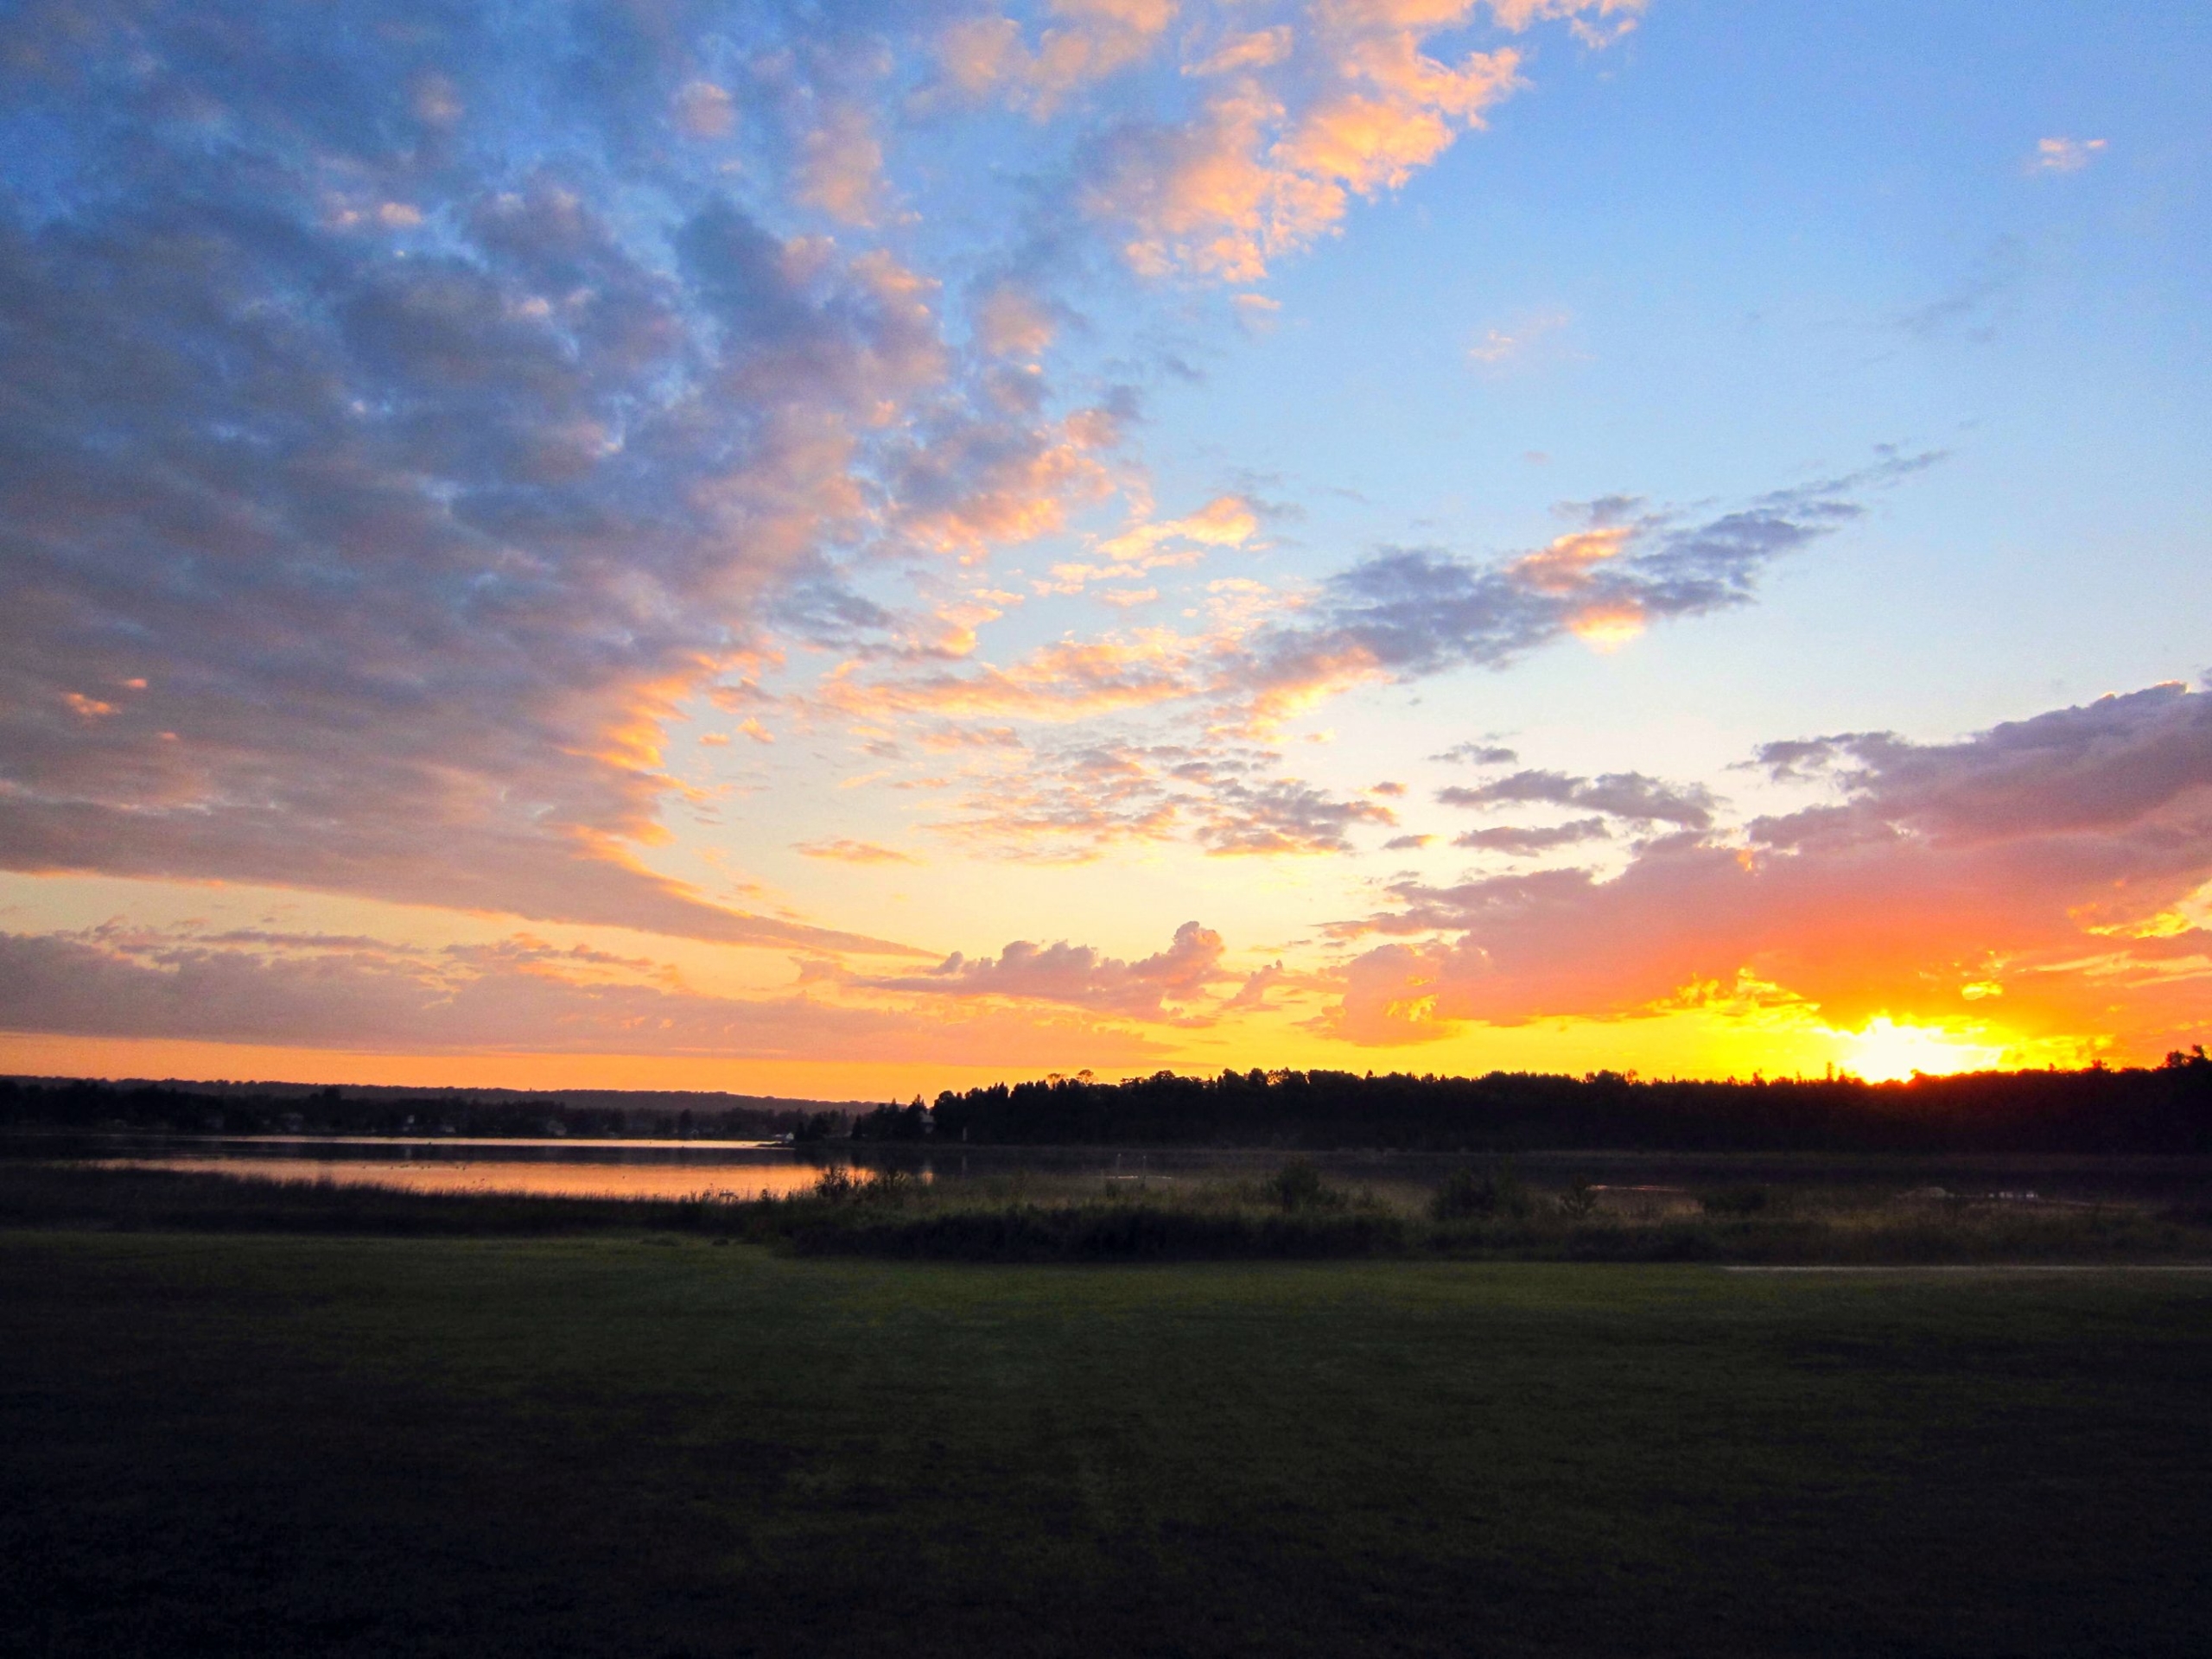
{"x": 660, "y": 1446}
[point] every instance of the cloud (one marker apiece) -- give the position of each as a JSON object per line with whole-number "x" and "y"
{"x": 397, "y": 580}
{"x": 1092, "y": 39}
{"x": 843, "y": 851}
{"x": 518, "y": 996}
{"x": 1068, "y": 681}
{"x": 1079, "y": 975}
{"x": 1300, "y": 120}
{"x": 1011, "y": 320}
{"x": 1225, "y": 521}
{"x": 2054, "y": 872}
{"x": 419, "y": 455}
{"x": 1070, "y": 803}
{"x": 1261, "y": 48}
{"x": 1968, "y": 307}
{"x": 842, "y": 172}
{"x": 1404, "y": 613}
{"x": 1398, "y": 615}
{"x": 1279, "y": 816}
{"x": 970, "y": 484}
{"x": 2098, "y": 768}
{"x": 1516, "y": 340}
{"x": 1525, "y": 842}
{"x": 702, "y": 109}
{"x": 1478, "y": 754}
{"x": 1629, "y": 795}
{"x": 1267, "y": 166}
{"x": 2065, "y": 155}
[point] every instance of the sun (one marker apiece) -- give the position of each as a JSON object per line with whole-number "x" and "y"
{"x": 1883, "y": 1050}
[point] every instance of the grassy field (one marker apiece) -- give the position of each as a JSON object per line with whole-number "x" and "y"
{"x": 661, "y": 1446}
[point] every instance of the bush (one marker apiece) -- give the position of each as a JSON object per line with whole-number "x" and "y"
{"x": 1465, "y": 1196}
{"x": 892, "y": 1186}
{"x": 1298, "y": 1185}
{"x": 1578, "y": 1200}
{"x": 836, "y": 1184}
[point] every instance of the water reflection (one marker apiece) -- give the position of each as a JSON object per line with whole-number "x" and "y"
{"x": 546, "y": 1169}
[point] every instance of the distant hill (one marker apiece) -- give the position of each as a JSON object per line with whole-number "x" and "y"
{"x": 272, "y": 1107}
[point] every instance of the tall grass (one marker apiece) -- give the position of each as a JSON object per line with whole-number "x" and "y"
{"x": 1293, "y": 1214}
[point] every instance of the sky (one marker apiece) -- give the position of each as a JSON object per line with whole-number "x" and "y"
{"x": 851, "y": 549}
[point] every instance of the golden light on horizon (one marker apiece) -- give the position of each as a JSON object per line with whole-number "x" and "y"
{"x": 1886, "y": 1050}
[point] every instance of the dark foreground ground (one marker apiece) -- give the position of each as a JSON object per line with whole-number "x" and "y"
{"x": 229, "y": 1445}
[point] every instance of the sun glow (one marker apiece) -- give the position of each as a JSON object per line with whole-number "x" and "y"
{"x": 1882, "y": 1051}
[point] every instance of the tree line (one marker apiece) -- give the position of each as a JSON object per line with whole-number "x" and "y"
{"x": 90, "y": 1105}
{"x": 2160, "y": 1109}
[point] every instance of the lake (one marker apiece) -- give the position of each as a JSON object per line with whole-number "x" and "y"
{"x": 744, "y": 1169}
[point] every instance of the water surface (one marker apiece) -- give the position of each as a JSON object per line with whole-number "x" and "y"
{"x": 745, "y": 1169}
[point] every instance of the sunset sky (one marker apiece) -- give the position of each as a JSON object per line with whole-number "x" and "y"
{"x": 852, "y": 549}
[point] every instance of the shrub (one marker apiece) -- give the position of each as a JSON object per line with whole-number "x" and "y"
{"x": 1464, "y": 1196}
{"x": 836, "y": 1184}
{"x": 892, "y": 1186}
{"x": 1296, "y": 1185}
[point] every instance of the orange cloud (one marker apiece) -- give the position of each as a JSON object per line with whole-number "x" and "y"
{"x": 1260, "y": 49}
{"x": 1595, "y": 23}
{"x": 2046, "y": 880}
{"x": 1226, "y": 521}
{"x": 1298, "y": 124}
{"x": 1090, "y": 40}
{"x": 986, "y": 486}
{"x": 1068, "y": 681}
{"x": 843, "y": 851}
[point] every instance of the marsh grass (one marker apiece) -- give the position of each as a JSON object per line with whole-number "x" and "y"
{"x": 1295, "y": 1213}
